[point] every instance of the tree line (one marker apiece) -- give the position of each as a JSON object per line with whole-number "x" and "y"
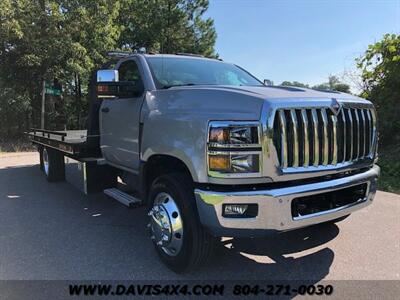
{"x": 62, "y": 41}
{"x": 333, "y": 84}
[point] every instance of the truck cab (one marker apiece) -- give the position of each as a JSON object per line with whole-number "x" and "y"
{"x": 212, "y": 151}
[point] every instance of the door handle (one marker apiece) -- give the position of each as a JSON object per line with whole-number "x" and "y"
{"x": 105, "y": 110}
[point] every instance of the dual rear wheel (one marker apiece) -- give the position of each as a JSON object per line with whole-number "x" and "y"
{"x": 52, "y": 164}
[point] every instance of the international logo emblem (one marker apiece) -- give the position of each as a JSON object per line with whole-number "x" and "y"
{"x": 335, "y": 107}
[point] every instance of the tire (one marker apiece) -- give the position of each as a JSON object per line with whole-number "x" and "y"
{"x": 53, "y": 165}
{"x": 173, "y": 196}
{"x": 40, "y": 150}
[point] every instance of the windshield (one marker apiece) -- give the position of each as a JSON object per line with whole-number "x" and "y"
{"x": 178, "y": 71}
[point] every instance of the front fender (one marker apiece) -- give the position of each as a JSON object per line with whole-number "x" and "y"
{"x": 175, "y": 123}
{"x": 181, "y": 139}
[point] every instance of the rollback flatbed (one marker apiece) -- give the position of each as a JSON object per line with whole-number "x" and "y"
{"x": 71, "y": 142}
{"x": 84, "y": 167}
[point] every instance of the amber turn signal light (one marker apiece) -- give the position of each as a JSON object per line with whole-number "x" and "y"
{"x": 219, "y": 162}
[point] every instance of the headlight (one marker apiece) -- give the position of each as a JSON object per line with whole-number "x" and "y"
{"x": 233, "y": 135}
{"x": 234, "y": 149}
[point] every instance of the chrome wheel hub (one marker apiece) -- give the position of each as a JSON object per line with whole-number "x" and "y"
{"x": 45, "y": 161}
{"x": 166, "y": 224}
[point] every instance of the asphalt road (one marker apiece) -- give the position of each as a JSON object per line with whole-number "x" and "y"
{"x": 52, "y": 231}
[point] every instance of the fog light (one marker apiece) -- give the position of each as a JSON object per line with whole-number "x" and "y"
{"x": 235, "y": 209}
{"x": 240, "y": 210}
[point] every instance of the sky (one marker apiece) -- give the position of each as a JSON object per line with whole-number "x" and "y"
{"x": 303, "y": 40}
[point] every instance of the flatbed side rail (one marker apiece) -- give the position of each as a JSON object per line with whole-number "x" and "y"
{"x": 47, "y": 133}
{"x": 48, "y": 138}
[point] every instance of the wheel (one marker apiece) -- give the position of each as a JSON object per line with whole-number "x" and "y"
{"x": 53, "y": 165}
{"x": 179, "y": 239}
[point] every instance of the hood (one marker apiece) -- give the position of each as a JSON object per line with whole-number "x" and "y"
{"x": 279, "y": 92}
{"x": 212, "y": 102}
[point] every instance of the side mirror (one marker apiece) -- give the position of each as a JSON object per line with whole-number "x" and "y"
{"x": 268, "y": 82}
{"x": 107, "y": 76}
{"x": 108, "y": 86}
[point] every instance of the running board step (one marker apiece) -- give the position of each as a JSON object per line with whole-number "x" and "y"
{"x": 122, "y": 197}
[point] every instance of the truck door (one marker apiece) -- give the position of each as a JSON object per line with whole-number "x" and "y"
{"x": 119, "y": 123}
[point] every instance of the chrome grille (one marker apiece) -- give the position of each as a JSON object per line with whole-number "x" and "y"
{"x": 313, "y": 137}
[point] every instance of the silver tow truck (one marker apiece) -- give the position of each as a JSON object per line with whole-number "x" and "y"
{"x": 212, "y": 152}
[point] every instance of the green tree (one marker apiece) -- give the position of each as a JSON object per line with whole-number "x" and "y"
{"x": 167, "y": 26}
{"x": 322, "y": 87}
{"x": 64, "y": 40}
{"x": 336, "y": 85}
{"x": 333, "y": 84}
{"x": 44, "y": 40}
{"x": 342, "y": 87}
{"x": 31, "y": 46}
{"x": 380, "y": 71}
{"x": 90, "y": 31}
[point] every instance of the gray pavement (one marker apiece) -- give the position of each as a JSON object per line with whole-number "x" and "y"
{"x": 52, "y": 231}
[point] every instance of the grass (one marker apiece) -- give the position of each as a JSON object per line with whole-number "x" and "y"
{"x": 389, "y": 161}
{"x": 21, "y": 144}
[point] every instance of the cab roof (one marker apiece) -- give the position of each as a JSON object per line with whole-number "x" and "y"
{"x": 179, "y": 55}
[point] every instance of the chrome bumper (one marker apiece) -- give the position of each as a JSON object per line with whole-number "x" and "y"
{"x": 274, "y": 206}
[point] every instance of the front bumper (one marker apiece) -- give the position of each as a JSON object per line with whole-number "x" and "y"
{"x": 274, "y": 206}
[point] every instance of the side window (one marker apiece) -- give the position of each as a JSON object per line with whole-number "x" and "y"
{"x": 129, "y": 71}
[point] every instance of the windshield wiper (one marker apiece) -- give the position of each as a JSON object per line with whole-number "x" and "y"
{"x": 173, "y": 85}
